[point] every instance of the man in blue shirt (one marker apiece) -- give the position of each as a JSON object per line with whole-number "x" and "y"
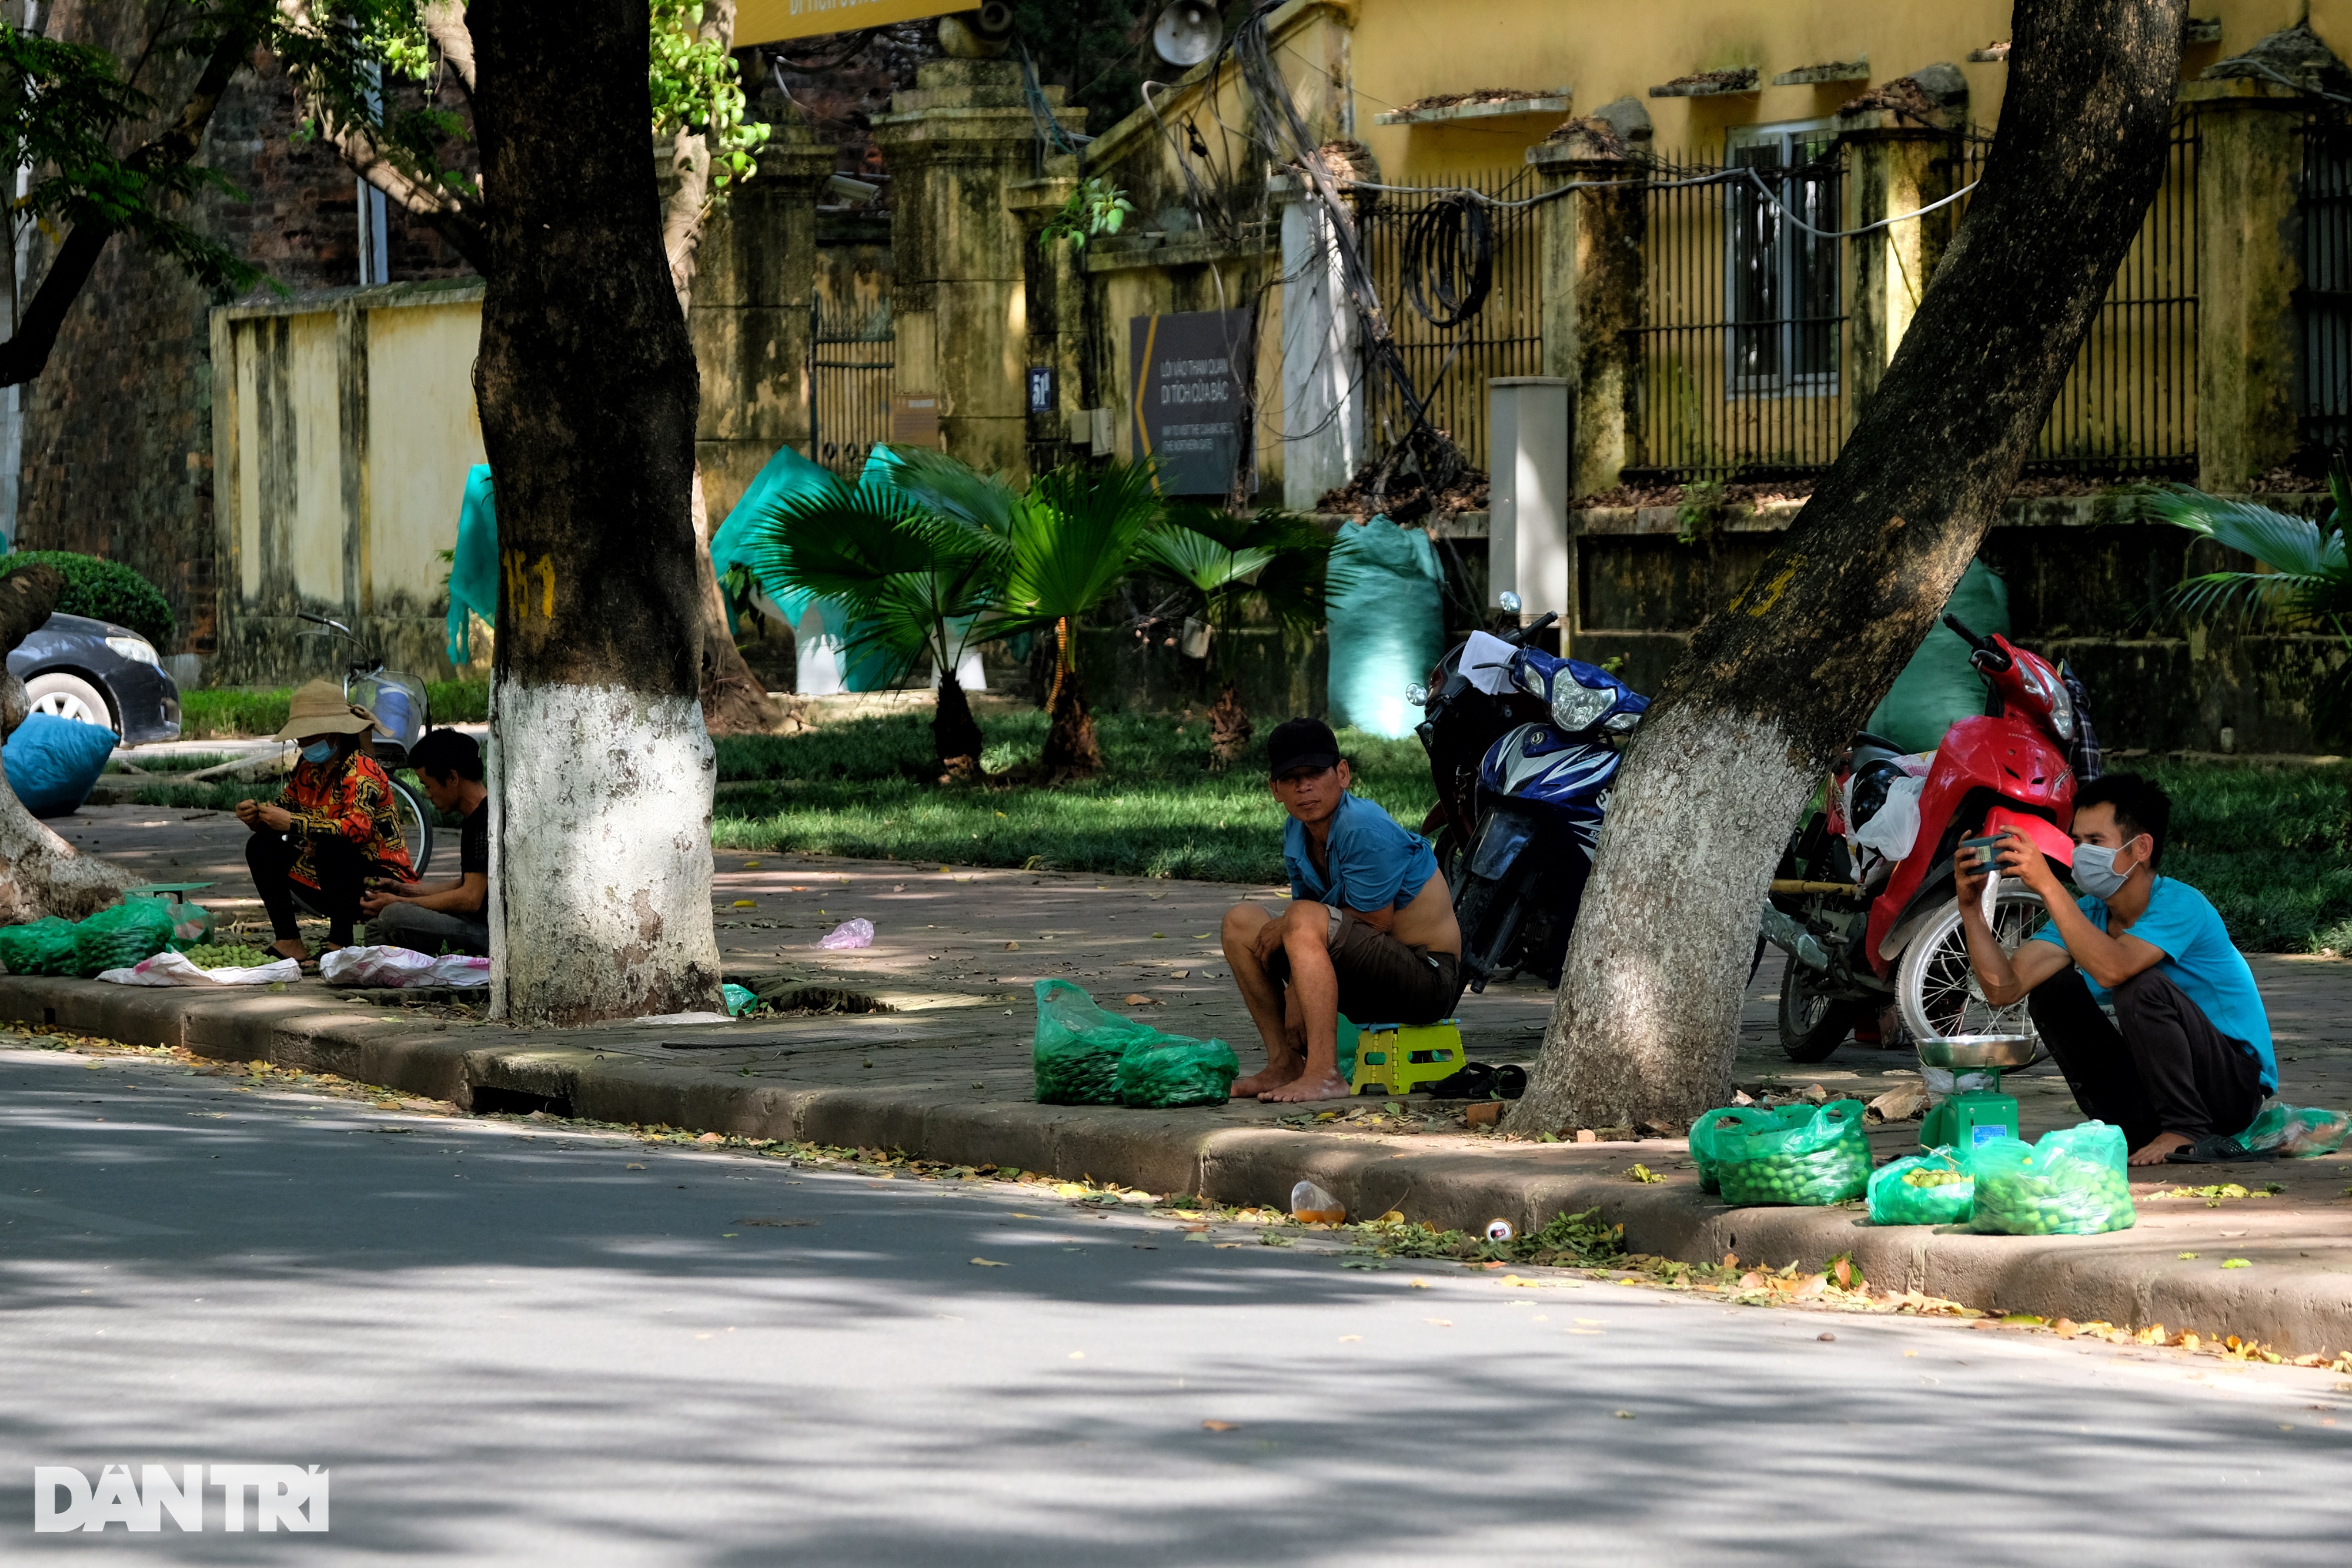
{"x": 1370, "y": 930}
{"x": 2187, "y": 1062}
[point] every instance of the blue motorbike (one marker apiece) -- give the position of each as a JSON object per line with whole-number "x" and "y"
{"x": 1516, "y": 828}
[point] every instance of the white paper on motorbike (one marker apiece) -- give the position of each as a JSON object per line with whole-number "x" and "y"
{"x": 1188, "y": 396}
{"x": 1487, "y": 664}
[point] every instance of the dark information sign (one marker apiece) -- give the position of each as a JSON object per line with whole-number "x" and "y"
{"x": 1188, "y": 396}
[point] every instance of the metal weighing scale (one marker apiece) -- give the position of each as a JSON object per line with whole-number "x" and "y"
{"x": 1969, "y": 1117}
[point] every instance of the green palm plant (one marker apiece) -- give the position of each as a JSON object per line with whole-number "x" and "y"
{"x": 1270, "y": 563}
{"x": 1072, "y": 538}
{"x": 914, "y": 556}
{"x": 2305, "y": 580}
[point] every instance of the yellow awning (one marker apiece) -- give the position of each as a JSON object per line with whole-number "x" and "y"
{"x": 772, "y": 21}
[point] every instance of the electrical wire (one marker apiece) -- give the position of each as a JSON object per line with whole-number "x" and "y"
{"x": 1449, "y": 260}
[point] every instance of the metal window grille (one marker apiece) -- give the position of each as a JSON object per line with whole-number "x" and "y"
{"x": 2323, "y": 302}
{"x": 2129, "y": 405}
{"x": 1449, "y": 367}
{"x": 851, "y": 355}
{"x": 1743, "y": 333}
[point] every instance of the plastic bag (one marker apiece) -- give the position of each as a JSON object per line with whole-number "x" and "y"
{"x": 1713, "y": 1132}
{"x": 44, "y": 947}
{"x": 1940, "y": 685}
{"x": 1077, "y": 1046}
{"x": 53, "y": 762}
{"x": 1384, "y": 604}
{"x": 402, "y": 966}
{"x": 1824, "y": 1159}
{"x": 849, "y": 933}
{"x": 2072, "y": 1183}
{"x": 1932, "y": 1188}
{"x": 192, "y": 924}
{"x": 1173, "y": 1070}
{"x": 1895, "y": 827}
{"x": 118, "y": 938}
{"x": 2282, "y": 1129}
{"x": 173, "y": 969}
{"x": 740, "y": 1000}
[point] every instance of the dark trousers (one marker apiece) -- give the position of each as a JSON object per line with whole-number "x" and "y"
{"x": 2162, "y": 1066}
{"x": 341, "y": 877}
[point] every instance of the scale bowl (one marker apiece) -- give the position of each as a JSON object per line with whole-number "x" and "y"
{"x": 1965, "y": 1053}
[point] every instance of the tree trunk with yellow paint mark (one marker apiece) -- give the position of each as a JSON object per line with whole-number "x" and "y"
{"x": 1773, "y": 686}
{"x": 602, "y": 768}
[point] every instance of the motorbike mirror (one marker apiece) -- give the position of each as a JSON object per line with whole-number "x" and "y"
{"x": 1416, "y": 694}
{"x": 1510, "y": 602}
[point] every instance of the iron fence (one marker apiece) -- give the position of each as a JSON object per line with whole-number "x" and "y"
{"x": 1450, "y": 366}
{"x": 2323, "y": 301}
{"x": 850, "y": 356}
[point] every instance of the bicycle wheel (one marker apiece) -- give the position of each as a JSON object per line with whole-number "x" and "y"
{"x": 416, "y": 825}
{"x": 1936, "y": 991}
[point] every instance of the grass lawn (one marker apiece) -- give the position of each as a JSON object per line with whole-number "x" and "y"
{"x": 2271, "y": 846}
{"x": 223, "y": 712}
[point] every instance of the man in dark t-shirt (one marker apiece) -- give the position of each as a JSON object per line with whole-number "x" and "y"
{"x": 442, "y": 917}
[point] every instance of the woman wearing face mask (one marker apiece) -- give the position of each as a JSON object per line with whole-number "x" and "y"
{"x": 333, "y": 827}
{"x": 2188, "y": 1061}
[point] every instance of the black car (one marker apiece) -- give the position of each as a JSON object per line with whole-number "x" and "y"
{"x": 95, "y": 672}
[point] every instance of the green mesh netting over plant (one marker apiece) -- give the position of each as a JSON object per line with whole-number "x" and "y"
{"x": 103, "y": 591}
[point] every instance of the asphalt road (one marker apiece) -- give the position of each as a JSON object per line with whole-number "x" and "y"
{"x": 507, "y": 1344}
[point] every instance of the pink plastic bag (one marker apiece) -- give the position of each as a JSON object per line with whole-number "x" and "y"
{"x": 849, "y": 933}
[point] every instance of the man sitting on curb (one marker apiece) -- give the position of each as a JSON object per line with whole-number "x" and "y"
{"x": 2187, "y": 1062}
{"x": 444, "y": 916}
{"x": 1370, "y": 930}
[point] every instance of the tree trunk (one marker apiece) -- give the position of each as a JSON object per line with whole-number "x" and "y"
{"x": 955, "y": 734}
{"x": 1071, "y": 750}
{"x": 588, "y": 393}
{"x": 40, "y": 874}
{"x": 1774, "y": 684}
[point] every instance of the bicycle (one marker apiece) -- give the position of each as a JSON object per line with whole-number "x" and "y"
{"x": 398, "y": 701}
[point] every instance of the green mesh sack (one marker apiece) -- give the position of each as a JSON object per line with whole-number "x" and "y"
{"x": 1932, "y": 1188}
{"x": 1170, "y": 1070}
{"x": 44, "y": 947}
{"x": 1077, "y": 1046}
{"x": 2072, "y": 1183}
{"x": 1823, "y": 1160}
{"x": 118, "y": 938}
{"x": 1712, "y": 1132}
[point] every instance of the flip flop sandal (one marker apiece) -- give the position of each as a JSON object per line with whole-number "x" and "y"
{"x": 2214, "y": 1149}
{"x": 1511, "y": 1081}
{"x": 1475, "y": 1082}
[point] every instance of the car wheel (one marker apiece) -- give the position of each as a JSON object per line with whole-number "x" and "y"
{"x": 69, "y": 697}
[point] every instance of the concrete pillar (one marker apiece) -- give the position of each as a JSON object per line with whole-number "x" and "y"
{"x": 750, "y": 315}
{"x": 958, "y": 296}
{"x": 1056, "y": 308}
{"x": 1891, "y": 169}
{"x": 1592, "y": 292}
{"x": 1528, "y": 551}
{"x": 1323, "y": 383}
{"x": 2248, "y": 265}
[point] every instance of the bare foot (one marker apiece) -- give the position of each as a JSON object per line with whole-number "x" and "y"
{"x": 2159, "y": 1148}
{"x": 1275, "y": 1076}
{"x": 1329, "y": 1087}
{"x": 290, "y": 947}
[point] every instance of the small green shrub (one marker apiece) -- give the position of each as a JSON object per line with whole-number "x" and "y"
{"x": 103, "y": 591}
{"x": 227, "y": 712}
{"x": 458, "y": 701}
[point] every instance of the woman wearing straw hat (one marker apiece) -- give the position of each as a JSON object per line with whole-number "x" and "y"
{"x": 333, "y": 827}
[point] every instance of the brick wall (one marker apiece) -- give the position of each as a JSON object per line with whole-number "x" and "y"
{"x": 118, "y": 441}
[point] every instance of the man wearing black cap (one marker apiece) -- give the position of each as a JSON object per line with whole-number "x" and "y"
{"x": 1369, "y": 929}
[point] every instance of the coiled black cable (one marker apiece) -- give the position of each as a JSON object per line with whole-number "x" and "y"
{"x": 1449, "y": 259}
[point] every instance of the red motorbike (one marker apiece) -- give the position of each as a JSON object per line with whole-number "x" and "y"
{"x": 1860, "y": 926}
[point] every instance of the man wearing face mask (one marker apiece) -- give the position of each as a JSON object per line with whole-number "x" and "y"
{"x": 333, "y": 826}
{"x": 2187, "y": 1062}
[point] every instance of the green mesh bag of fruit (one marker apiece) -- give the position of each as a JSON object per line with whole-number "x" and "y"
{"x": 1932, "y": 1188}
{"x": 1714, "y": 1132}
{"x": 1823, "y": 1160}
{"x": 42, "y": 948}
{"x": 118, "y": 938}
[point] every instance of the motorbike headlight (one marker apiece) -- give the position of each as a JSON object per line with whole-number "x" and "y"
{"x": 136, "y": 649}
{"x": 1531, "y": 680}
{"x": 1416, "y": 695}
{"x": 2062, "y": 709}
{"x": 1575, "y": 707}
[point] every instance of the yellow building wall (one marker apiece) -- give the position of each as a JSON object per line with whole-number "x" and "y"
{"x": 423, "y": 434}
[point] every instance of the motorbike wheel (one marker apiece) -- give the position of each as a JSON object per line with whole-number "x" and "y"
{"x": 1935, "y": 990}
{"x": 1488, "y": 912}
{"x": 1812, "y": 1023}
{"x": 1447, "y": 846}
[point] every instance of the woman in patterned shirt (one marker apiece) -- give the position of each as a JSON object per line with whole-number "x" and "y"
{"x": 334, "y": 827}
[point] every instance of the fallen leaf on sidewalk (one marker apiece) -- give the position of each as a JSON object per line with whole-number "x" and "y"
{"x": 634, "y": 1166}
{"x": 1900, "y": 1105}
{"x": 989, "y": 1263}
{"x": 2235, "y": 1264}
{"x": 1221, "y": 1425}
{"x": 1139, "y": 1000}
{"x": 1439, "y": 1322}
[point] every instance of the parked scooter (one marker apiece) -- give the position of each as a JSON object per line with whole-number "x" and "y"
{"x": 1523, "y": 745}
{"x": 1860, "y": 926}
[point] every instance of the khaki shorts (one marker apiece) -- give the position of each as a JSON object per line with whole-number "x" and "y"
{"x": 1382, "y": 980}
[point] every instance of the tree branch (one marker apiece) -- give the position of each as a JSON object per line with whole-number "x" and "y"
{"x": 687, "y": 211}
{"x": 24, "y": 356}
{"x": 445, "y": 24}
{"x": 450, "y": 214}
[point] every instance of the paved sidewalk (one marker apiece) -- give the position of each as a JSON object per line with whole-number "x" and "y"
{"x": 939, "y": 1068}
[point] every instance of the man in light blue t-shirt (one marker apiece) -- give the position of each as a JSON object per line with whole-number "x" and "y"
{"x": 1370, "y": 930}
{"x": 2187, "y": 1062}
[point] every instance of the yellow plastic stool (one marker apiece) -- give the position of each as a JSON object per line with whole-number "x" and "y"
{"x": 1397, "y": 1057}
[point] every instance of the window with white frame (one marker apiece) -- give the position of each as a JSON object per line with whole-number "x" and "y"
{"x": 1783, "y": 303}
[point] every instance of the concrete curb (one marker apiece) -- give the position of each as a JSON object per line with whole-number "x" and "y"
{"x": 2130, "y": 1278}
